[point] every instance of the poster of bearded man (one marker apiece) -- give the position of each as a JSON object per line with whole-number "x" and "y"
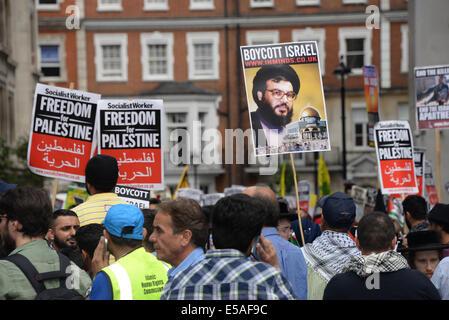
{"x": 285, "y": 98}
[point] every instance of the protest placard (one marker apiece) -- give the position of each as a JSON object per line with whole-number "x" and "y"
{"x": 62, "y": 132}
{"x": 371, "y": 194}
{"x": 419, "y": 158}
{"x": 394, "y": 148}
{"x": 75, "y": 196}
{"x": 429, "y": 181}
{"x": 359, "y": 196}
{"x": 211, "y": 198}
{"x": 285, "y": 98}
{"x": 134, "y": 196}
{"x": 304, "y": 194}
{"x": 371, "y": 86}
{"x": 130, "y": 131}
{"x": 190, "y": 193}
{"x": 432, "y": 97}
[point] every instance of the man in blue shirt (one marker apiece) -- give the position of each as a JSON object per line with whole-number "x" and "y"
{"x": 180, "y": 233}
{"x": 290, "y": 258}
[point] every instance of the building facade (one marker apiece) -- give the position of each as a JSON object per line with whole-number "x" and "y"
{"x": 18, "y": 67}
{"x": 187, "y": 53}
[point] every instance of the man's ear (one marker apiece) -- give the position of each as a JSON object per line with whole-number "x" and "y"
{"x": 50, "y": 235}
{"x": 145, "y": 232}
{"x": 259, "y": 95}
{"x": 186, "y": 237}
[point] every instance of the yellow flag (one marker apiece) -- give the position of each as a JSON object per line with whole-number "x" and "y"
{"x": 324, "y": 180}
{"x": 183, "y": 182}
{"x": 282, "y": 182}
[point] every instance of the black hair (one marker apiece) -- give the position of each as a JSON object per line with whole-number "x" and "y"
{"x": 62, "y": 213}
{"x": 272, "y": 211}
{"x": 277, "y": 72}
{"x": 102, "y": 172}
{"x": 31, "y": 207}
{"x": 416, "y": 206}
{"x": 88, "y": 237}
{"x": 155, "y": 201}
{"x": 236, "y": 222}
{"x": 375, "y": 232}
{"x": 148, "y": 216}
{"x": 125, "y": 242}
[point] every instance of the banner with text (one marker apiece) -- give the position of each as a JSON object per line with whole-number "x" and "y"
{"x": 304, "y": 194}
{"x": 394, "y": 146}
{"x": 431, "y": 189}
{"x": 62, "y": 132}
{"x": 134, "y": 196}
{"x": 419, "y": 158}
{"x": 432, "y": 97}
{"x": 285, "y": 97}
{"x": 130, "y": 131}
{"x": 371, "y": 86}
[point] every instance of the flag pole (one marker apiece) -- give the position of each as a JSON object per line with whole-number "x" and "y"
{"x": 297, "y": 199}
{"x": 180, "y": 180}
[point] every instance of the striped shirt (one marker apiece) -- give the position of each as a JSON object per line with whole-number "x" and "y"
{"x": 95, "y": 208}
{"x": 226, "y": 274}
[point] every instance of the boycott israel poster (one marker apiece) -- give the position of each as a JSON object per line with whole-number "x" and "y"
{"x": 394, "y": 146}
{"x": 62, "y": 132}
{"x": 130, "y": 131}
{"x": 419, "y": 157}
{"x": 134, "y": 196}
{"x": 431, "y": 189}
{"x": 371, "y": 86}
{"x": 285, "y": 98}
{"x": 432, "y": 97}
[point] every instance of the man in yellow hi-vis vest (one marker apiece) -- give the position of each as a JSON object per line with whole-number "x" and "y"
{"x": 136, "y": 274}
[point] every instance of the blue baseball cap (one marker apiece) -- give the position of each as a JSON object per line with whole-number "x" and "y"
{"x": 4, "y": 186}
{"x": 338, "y": 210}
{"x": 124, "y": 221}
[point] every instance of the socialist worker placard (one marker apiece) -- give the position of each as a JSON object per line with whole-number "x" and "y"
{"x": 130, "y": 131}
{"x": 394, "y": 146}
{"x": 62, "y": 132}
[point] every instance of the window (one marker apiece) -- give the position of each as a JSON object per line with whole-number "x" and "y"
{"x": 47, "y": 5}
{"x": 109, "y": 5}
{"x": 307, "y": 2}
{"x": 404, "y": 48}
{"x": 157, "y": 56}
{"x": 355, "y": 47}
{"x": 360, "y": 125}
{"x": 51, "y": 57}
{"x": 403, "y": 112}
{"x": 202, "y": 5}
{"x": 111, "y": 57}
{"x": 318, "y": 35}
{"x": 203, "y": 56}
{"x": 156, "y": 5}
{"x": 262, "y": 37}
{"x": 262, "y": 3}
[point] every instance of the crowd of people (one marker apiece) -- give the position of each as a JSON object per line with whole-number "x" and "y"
{"x": 247, "y": 246}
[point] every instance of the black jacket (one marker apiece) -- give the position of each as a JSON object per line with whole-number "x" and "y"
{"x": 405, "y": 284}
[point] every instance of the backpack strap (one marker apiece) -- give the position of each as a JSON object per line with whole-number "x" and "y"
{"x": 37, "y": 279}
{"x": 28, "y": 270}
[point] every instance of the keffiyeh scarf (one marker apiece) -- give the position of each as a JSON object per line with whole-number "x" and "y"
{"x": 388, "y": 261}
{"x": 330, "y": 252}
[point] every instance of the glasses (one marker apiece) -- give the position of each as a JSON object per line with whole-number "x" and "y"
{"x": 279, "y": 94}
{"x": 286, "y": 230}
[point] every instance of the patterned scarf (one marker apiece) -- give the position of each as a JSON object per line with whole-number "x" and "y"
{"x": 330, "y": 252}
{"x": 388, "y": 261}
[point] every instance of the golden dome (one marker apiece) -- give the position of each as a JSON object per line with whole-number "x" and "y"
{"x": 310, "y": 112}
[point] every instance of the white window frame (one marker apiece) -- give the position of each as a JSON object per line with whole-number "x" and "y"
{"x": 404, "y": 48}
{"x": 149, "y": 6}
{"x": 209, "y": 5}
{"x": 48, "y": 7}
{"x": 265, "y": 4}
{"x": 53, "y": 39}
{"x": 105, "y": 7}
{"x": 156, "y": 38}
{"x": 304, "y": 3}
{"x": 356, "y": 33}
{"x": 360, "y": 106}
{"x": 354, "y": 1}
{"x": 101, "y": 39}
{"x": 265, "y": 36}
{"x": 313, "y": 34}
{"x": 193, "y": 38}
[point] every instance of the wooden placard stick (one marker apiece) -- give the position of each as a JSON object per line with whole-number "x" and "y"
{"x": 297, "y": 199}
